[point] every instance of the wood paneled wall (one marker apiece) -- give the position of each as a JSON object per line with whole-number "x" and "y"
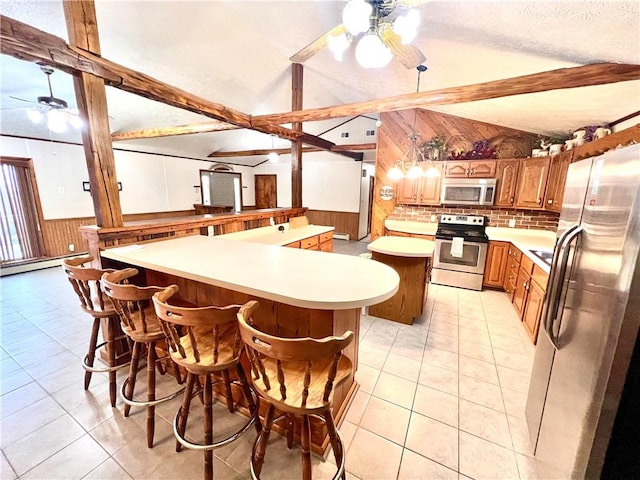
{"x": 343, "y": 222}
{"x": 58, "y": 234}
{"x": 394, "y": 141}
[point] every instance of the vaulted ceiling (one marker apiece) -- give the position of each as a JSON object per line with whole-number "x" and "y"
{"x": 237, "y": 54}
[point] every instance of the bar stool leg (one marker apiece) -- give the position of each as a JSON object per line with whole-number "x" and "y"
{"x": 305, "y": 441}
{"x": 336, "y": 445}
{"x": 111, "y": 352}
{"x": 91, "y": 355}
{"x": 184, "y": 409}
{"x": 133, "y": 370}
{"x": 262, "y": 440}
{"x": 208, "y": 427}
{"x": 151, "y": 392}
{"x": 253, "y": 408}
{"x": 227, "y": 388}
{"x": 290, "y": 431}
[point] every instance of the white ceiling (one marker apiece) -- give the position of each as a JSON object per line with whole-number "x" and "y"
{"x": 237, "y": 53}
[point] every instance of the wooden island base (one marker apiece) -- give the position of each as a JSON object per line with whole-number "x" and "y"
{"x": 281, "y": 320}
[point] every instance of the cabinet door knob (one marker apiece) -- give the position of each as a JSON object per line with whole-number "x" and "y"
{"x": 473, "y": 171}
{"x": 511, "y": 200}
{"x": 550, "y": 201}
{"x": 539, "y": 201}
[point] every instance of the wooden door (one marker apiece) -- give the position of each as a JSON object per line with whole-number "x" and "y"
{"x": 429, "y": 188}
{"x": 506, "y": 182}
{"x": 520, "y": 293}
{"x": 407, "y": 188}
{"x": 482, "y": 169}
{"x": 266, "y": 191}
{"x": 557, "y": 178}
{"x": 532, "y": 182}
{"x": 533, "y": 310}
{"x": 496, "y": 264}
{"x": 456, "y": 169}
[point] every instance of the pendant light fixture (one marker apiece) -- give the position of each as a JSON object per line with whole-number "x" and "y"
{"x": 273, "y": 155}
{"x": 410, "y": 165}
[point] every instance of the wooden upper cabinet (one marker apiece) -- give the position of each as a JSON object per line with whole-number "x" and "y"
{"x": 421, "y": 191}
{"x": 506, "y": 182}
{"x": 557, "y": 177}
{"x": 474, "y": 169}
{"x": 532, "y": 181}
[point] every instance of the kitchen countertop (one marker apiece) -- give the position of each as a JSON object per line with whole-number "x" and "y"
{"x": 402, "y": 246}
{"x": 522, "y": 238}
{"x": 270, "y": 235}
{"x": 302, "y": 278}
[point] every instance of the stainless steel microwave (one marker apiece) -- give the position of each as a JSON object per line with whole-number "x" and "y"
{"x": 468, "y": 191}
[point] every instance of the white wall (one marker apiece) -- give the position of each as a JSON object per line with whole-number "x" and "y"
{"x": 156, "y": 183}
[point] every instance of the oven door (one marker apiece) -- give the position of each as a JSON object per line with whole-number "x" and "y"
{"x": 474, "y": 256}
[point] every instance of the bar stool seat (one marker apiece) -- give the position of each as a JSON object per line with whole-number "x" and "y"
{"x": 134, "y": 306}
{"x": 205, "y": 341}
{"x": 85, "y": 281}
{"x": 296, "y": 376}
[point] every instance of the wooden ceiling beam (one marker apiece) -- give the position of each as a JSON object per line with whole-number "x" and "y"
{"x": 285, "y": 151}
{"x": 572, "y": 77}
{"x": 205, "y": 127}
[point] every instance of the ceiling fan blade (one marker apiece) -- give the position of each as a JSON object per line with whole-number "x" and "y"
{"x": 317, "y": 45}
{"x": 408, "y": 55}
{"x": 22, "y": 99}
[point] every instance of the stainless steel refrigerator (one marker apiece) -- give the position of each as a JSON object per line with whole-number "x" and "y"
{"x": 590, "y": 318}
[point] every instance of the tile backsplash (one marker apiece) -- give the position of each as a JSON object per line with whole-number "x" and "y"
{"x": 498, "y": 217}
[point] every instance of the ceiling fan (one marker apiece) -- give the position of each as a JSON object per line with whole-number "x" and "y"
{"x": 381, "y": 28}
{"x": 54, "y": 110}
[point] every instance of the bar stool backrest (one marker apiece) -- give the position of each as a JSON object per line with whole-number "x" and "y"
{"x": 85, "y": 281}
{"x": 304, "y": 369}
{"x": 131, "y": 302}
{"x": 199, "y": 334}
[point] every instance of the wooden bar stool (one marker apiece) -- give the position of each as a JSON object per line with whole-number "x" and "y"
{"x": 85, "y": 281}
{"x": 138, "y": 320}
{"x": 205, "y": 341}
{"x": 296, "y": 376}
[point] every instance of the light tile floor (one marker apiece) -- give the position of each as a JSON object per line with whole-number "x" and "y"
{"x": 443, "y": 398}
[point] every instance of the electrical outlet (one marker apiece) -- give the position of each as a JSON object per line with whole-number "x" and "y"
{"x": 512, "y": 223}
{"x": 434, "y": 219}
{"x": 72, "y": 247}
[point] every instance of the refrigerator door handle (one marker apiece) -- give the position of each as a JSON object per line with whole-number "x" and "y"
{"x": 563, "y": 259}
{"x": 551, "y": 295}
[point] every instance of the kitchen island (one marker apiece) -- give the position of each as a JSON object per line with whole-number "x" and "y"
{"x": 410, "y": 258}
{"x": 302, "y": 293}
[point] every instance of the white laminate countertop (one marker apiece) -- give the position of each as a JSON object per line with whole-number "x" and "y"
{"x": 302, "y": 278}
{"x": 402, "y": 246}
{"x": 272, "y": 236}
{"x": 524, "y": 239}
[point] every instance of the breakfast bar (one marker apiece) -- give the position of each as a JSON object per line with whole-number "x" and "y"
{"x": 301, "y": 293}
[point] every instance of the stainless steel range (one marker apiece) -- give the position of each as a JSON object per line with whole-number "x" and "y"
{"x": 460, "y": 251}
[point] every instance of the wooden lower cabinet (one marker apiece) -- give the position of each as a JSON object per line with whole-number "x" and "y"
{"x": 495, "y": 267}
{"x": 323, "y": 242}
{"x": 525, "y": 283}
{"x": 395, "y": 233}
{"x": 533, "y": 310}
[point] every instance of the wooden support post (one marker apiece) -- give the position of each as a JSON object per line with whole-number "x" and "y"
{"x": 91, "y": 97}
{"x": 296, "y": 145}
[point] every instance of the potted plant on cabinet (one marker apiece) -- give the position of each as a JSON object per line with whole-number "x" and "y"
{"x": 434, "y": 148}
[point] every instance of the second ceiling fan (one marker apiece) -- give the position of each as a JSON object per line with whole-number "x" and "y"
{"x": 381, "y": 30}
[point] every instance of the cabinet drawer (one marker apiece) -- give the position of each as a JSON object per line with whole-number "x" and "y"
{"x": 540, "y": 277}
{"x": 527, "y": 265}
{"x": 515, "y": 253}
{"x": 310, "y": 243}
{"x": 326, "y": 246}
{"x": 293, "y": 245}
{"x": 326, "y": 236}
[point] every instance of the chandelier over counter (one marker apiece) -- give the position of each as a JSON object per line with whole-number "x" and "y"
{"x": 411, "y": 163}
{"x": 372, "y": 21}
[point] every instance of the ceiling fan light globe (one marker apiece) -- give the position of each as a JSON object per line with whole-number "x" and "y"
{"x": 35, "y": 115}
{"x": 355, "y": 16}
{"x": 338, "y": 44}
{"x": 407, "y": 26}
{"x": 371, "y": 52}
{"x": 56, "y": 121}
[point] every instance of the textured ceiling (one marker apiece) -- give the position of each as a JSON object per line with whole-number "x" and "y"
{"x": 236, "y": 53}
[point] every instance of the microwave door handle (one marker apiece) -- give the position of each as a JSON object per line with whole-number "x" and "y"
{"x": 556, "y": 323}
{"x": 553, "y": 298}
{"x": 561, "y": 261}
